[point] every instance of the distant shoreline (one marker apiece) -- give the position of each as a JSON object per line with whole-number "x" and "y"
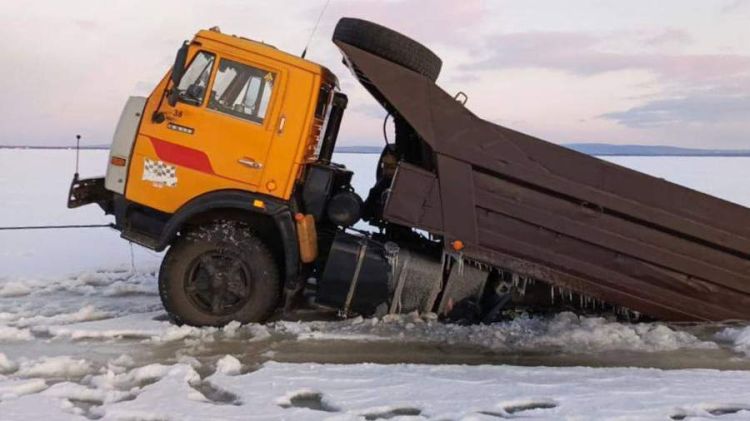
{"x": 594, "y": 149}
{"x": 56, "y": 147}
{"x": 603, "y": 149}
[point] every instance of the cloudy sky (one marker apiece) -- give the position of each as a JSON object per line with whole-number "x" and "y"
{"x": 672, "y": 72}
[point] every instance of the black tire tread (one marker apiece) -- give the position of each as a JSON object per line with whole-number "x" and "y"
{"x": 224, "y": 234}
{"x": 388, "y": 44}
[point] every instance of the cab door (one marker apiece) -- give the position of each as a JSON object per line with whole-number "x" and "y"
{"x": 227, "y": 114}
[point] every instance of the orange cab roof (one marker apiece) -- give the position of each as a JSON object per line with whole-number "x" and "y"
{"x": 259, "y": 48}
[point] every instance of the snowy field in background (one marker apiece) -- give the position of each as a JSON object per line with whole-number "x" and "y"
{"x": 83, "y": 335}
{"x": 34, "y": 186}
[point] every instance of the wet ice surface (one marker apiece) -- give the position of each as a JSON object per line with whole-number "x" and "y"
{"x": 73, "y": 316}
{"x": 82, "y": 333}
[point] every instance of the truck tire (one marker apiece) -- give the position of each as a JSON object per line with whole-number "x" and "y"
{"x": 218, "y": 273}
{"x": 388, "y": 44}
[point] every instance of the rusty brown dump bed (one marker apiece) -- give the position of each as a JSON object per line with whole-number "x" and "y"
{"x": 575, "y": 221}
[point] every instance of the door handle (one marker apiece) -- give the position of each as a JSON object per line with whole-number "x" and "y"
{"x": 250, "y": 163}
{"x": 282, "y": 124}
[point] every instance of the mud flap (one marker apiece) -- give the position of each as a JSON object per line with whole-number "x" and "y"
{"x": 463, "y": 292}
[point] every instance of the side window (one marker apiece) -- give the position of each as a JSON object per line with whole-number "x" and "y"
{"x": 242, "y": 91}
{"x": 193, "y": 85}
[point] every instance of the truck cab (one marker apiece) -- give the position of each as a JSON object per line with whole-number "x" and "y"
{"x": 244, "y": 116}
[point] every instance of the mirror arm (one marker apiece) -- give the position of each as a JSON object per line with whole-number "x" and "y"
{"x": 158, "y": 116}
{"x": 172, "y": 96}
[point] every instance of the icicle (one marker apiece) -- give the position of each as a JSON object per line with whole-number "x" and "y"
{"x": 460, "y": 262}
{"x": 552, "y": 291}
{"x": 391, "y": 253}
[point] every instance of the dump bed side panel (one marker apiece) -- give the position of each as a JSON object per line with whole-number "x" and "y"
{"x": 583, "y": 250}
{"x": 576, "y": 221}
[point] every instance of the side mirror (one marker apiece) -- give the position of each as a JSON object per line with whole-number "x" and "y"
{"x": 178, "y": 70}
{"x": 180, "y": 61}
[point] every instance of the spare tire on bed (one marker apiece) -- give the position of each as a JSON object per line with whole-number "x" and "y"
{"x": 389, "y": 45}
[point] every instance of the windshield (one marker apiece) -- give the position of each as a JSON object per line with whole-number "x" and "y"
{"x": 194, "y": 82}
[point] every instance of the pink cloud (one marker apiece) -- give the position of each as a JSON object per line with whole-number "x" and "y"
{"x": 580, "y": 53}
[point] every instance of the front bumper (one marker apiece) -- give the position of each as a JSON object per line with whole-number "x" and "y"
{"x": 136, "y": 223}
{"x": 90, "y": 190}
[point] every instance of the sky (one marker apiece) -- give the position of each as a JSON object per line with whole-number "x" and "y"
{"x": 666, "y": 72}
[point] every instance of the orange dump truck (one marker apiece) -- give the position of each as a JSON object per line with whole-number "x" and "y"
{"x": 228, "y": 166}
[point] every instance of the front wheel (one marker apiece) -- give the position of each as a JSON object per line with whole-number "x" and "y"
{"x": 218, "y": 273}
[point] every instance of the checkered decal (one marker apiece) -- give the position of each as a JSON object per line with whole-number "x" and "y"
{"x": 159, "y": 173}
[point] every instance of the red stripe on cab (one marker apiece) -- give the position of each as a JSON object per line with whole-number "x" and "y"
{"x": 182, "y": 155}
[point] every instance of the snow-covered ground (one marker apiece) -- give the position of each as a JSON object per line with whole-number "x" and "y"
{"x": 83, "y": 335}
{"x": 378, "y": 392}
